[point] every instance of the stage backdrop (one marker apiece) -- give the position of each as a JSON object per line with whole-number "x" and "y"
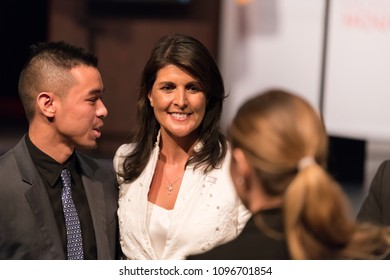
{"x": 281, "y": 43}
{"x": 270, "y": 43}
{"x": 357, "y": 81}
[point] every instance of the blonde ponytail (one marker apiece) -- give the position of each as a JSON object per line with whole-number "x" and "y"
{"x": 285, "y": 142}
{"x": 317, "y": 220}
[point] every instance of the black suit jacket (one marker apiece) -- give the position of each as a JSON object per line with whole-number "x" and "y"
{"x": 252, "y": 243}
{"x": 28, "y": 229}
{"x": 376, "y": 206}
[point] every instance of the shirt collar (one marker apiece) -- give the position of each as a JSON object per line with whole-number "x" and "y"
{"x": 49, "y": 168}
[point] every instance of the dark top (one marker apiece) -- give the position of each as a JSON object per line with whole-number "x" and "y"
{"x": 253, "y": 243}
{"x": 376, "y": 207}
{"x": 50, "y": 171}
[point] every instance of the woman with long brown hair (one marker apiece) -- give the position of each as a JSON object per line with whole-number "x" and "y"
{"x": 176, "y": 196}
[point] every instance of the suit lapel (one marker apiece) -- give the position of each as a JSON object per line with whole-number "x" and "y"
{"x": 39, "y": 201}
{"x": 95, "y": 195}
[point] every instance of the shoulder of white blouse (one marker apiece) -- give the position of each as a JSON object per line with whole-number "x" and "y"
{"x": 124, "y": 149}
{"x": 121, "y": 154}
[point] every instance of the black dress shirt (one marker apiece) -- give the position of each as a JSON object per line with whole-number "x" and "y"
{"x": 50, "y": 171}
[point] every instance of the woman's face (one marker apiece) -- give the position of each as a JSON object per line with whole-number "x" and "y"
{"x": 178, "y": 101}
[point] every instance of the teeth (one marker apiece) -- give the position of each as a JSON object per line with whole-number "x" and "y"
{"x": 179, "y": 116}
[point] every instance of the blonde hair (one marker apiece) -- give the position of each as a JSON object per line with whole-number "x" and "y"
{"x": 276, "y": 130}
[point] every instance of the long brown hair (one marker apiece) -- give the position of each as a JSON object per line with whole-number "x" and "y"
{"x": 191, "y": 56}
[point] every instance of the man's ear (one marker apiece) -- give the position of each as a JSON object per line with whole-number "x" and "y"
{"x": 45, "y": 102}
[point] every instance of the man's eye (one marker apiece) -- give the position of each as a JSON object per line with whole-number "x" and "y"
{"x": 93, "y": 100}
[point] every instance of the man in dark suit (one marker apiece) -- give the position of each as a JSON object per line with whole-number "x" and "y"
{"x": 376, "y": 206}
{"x": 61, "y": 89}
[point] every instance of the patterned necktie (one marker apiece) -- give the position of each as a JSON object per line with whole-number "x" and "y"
{"x": 74, "y": 241}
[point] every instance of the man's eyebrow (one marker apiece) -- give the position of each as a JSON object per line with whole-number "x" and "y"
{"x": 97, "y": 91}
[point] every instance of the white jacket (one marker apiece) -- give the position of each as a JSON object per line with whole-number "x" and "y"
{"x": 207, "y": 211}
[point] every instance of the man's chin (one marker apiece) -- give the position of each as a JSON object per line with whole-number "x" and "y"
{"x": 89, "y": 148}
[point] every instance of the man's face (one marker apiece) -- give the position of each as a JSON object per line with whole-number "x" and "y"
{"x": 79, "y": 115}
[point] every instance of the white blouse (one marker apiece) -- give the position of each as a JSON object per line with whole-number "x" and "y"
{"x": 158, "y": 220}
{"x": 207, "y": 212}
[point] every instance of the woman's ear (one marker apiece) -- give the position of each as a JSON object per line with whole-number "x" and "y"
{"x": 45, "y": 102}
{"x": 240, "y": 163}
{"x": 240, "y": 174}
{"x": 150, "y": 98}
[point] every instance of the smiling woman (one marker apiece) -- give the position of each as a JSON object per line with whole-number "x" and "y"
{"x": 176, "y": 196}
{"x": 178, "y": 103}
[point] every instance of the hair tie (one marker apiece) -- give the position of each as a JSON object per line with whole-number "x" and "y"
{"x": 306, "y": 161}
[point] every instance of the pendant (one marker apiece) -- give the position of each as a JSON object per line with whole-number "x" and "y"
{"x": 170, "y": 185}
{"x": 170, "y": 189}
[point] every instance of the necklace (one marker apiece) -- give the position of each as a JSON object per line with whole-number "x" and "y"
{"x": 170, "y": 185}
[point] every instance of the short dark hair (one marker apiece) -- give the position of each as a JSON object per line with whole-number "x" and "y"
{"x": 47, "y": 68}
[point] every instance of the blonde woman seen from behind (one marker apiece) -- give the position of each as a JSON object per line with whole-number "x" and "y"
{"x": 279, "y": 150}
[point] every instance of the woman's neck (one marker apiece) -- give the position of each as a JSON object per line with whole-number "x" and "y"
{"x": 176, "y": 150}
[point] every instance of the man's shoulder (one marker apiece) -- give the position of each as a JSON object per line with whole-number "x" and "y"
{"x": 384, "y": 167}
{"x": 89, "y": 163}
{"x": 9, "y": 155}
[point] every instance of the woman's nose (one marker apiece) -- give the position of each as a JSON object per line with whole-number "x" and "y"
{"x": 181, "y": 98}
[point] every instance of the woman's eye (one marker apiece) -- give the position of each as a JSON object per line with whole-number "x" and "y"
{"x": 166, "y": 88}
{"x": 193, "y": 89}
